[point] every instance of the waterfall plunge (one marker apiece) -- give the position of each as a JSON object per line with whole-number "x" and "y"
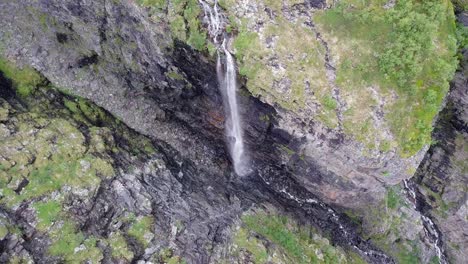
{"x": 227, "y": 79}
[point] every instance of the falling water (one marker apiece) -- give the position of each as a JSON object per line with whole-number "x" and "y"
{"x": 227, "y": 79}
{"x": 432, "y": 233}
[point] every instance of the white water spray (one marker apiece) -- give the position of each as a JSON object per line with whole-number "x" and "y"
{"x": 227, "y": 79}
{"x": 430, "y": 228}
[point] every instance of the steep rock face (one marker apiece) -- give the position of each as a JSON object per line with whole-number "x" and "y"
{"x": 115, "y": 54}
{"x": 77, "y": 185}
{"x": 121, "y": 57}
{"x": 443, "y": 174}
{"x": 321, "y": 69}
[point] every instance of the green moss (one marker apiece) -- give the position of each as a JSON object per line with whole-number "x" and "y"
{"x": 385, "y": 146}
{"x": 392, "y": 199}
{"x": 167, "y": 256}
{"x": 72, "y": 246}
{"x": 19, "y": 260}
{"x": 57, "y": 148}
{"x": 275, "y": 229}
{"x": 141, "y": 229}
{"x": 440, "y": 207}
{"x": 68, "y": 145}
{"x": 252, "y": 244}
{"x": 386, "y": 222}
{"x": 329, "y": 102}
{"x": 211, "y": 49}
{"x": 245, "y": 41}
{"x": 47, "y": 213}
{"x": 273, "y": 238}
{"x": 152, "y": 3}
{"x": 89, "y": 252}
{"x": 25, "y": 80}
{"x": 185, "y": 25}
{"x": 408, "y": 256}
{"x": 91, "y": 111}
{"x": 178, "y": 28}
{"x": 197, "y": 40}
{"x": 174, "y": 75}
{"x": 3, "y": 230}
{"x": 65, "y": 240}
{"x": 354, "y": 258}
{"x": 119, "y": 247}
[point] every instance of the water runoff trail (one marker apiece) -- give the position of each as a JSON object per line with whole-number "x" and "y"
{"x": 227, "y": 79}
{"x": 433, "y": 234}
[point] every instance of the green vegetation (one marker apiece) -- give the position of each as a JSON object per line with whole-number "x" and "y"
{"x": 66, "y": 239}
{"x": 272, "y": 238}
{"x": 462, "y": 36}
{"x": 72, "y": 245}
{"x": 461, "y": 5}
{"x": 387, "y": 222}
{"x": 119, "y": 247}
{"x": 408, "y": 49}
{"x": 167, "y": 256}
{"x": 182, "y": 16}
{"x": 24, "y": 79}
{"x": 329, "y": 102}
{"x": 47, "y": 213}
{"x": 392, "y": 199}
{"x": 60, "y": 159}
{"x": 57, "y": 148}
{"x": 140, "y": 229}
{"x": 174, "y": 75}
{"x": 279, "y": 69}
{"x": 152, "y": 3}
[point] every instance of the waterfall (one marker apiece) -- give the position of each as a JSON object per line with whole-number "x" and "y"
{"x": 227, "y": 79}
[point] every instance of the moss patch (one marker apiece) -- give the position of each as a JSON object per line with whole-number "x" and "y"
{"x": 140, "y": 229}
{"x": 290, "y": 73}
{"x": 183, "y": 19}
{"x": 119, "y": 247}
{"x": 47, "y": 213}
{"x": 268, "y": 237}
{"x": 25, "y": 80}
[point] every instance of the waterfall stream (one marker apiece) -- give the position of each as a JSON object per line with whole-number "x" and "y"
{"x": 432, "y": 232}
{"x": 227, "y": 79}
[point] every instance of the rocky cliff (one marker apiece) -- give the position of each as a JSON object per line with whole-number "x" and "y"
{"x": 136, "y": 168}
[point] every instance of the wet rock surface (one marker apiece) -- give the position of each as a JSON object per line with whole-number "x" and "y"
{"x": 114, "y": 179}
{"x": 181, "y": 178}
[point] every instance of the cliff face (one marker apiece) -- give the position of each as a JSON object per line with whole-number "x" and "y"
{"x": 443, "y": 174}
{"x": 325, "y": 69}
{"x": 313, "y": 131}
{"x": 122, "y": 57}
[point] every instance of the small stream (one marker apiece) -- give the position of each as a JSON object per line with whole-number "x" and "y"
{"x": 433, "y": 234}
